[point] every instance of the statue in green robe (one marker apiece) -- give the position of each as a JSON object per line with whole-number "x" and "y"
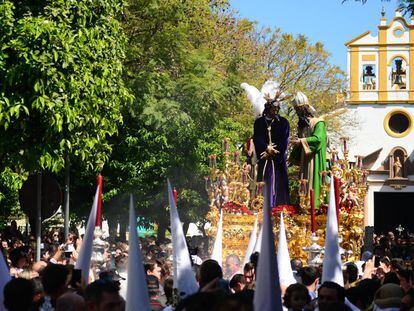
{"x": 310, "y": 151}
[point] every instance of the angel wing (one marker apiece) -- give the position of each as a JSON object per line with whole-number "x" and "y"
{"x": 256, "y": 98}
{"x": 270, "y": 88}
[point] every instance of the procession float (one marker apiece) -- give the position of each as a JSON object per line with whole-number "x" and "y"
{"x": 235, "y": 189}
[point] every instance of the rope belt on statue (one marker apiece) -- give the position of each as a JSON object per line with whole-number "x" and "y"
{"x": 269, "y": 133}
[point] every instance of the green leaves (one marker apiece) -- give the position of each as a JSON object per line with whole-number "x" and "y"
{"x": 185, "y": 61}
{"x": 61, "y": 83}
{"x": 143, "y": 110}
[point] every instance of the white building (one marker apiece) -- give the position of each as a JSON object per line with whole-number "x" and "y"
{"x": 381, "y": 100}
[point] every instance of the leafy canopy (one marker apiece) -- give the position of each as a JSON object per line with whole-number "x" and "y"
{"x": 61, "y": 82}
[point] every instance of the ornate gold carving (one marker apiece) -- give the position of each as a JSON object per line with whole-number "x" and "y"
{"x": 238, "y": 190}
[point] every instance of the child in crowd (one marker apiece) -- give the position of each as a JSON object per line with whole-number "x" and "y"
{"x": 296, "y": 297}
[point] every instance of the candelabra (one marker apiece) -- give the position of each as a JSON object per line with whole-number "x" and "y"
{"x": 304, "y": 200}
{"x": 315, "y": 251}
{"x": 352, "y": 189}
{"x": 98, "y": 253}
{"x": 232, "y": 186}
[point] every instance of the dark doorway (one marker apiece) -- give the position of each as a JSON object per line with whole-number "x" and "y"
{"x": 392, "y": 209}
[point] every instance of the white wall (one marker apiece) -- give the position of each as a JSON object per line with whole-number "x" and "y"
{"x": 368, "y": 134}
{"x": 391, "y": 38}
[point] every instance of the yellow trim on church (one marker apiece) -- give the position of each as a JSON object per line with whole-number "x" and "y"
{"x": 411, "y": 56}
{"x": 397, "y": 56}
{"x": 378, "y": 102}
{"x": 354, "y": 74}
{"x": 382, "y": 64}
{"x": 369, "y": 57}
{"x": 398, "y": 18}
{"x": 381, "y": 51}
{"x": 387, "y": 126}
{"x": 394, "y": 32}
{"x": 357, "y": 38}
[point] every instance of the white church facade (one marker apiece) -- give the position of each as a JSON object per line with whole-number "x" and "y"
{"x": 381, "y": 103}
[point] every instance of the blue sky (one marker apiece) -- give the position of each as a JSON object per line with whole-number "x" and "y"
{"x": 326, "y": 21}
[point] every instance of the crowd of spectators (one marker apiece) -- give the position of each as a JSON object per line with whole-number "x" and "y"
{"x": 382, "y": 280}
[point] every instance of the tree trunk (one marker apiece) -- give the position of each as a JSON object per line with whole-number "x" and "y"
{"x": 161, "y": 232}
{"x": 66, "y": 198}
{"x": 122, "y": 230}
{"x": 113, "y": 226}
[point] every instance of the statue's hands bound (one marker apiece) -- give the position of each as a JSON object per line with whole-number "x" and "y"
{"x": 270, "y": 152}
{"x": 295, "y": 141}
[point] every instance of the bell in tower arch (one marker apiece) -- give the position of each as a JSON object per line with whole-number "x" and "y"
{"x": 398, "y": 75}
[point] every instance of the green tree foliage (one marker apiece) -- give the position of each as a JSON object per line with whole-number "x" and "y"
{"x": 62, "y": 93}
{"x": 61, "y": 85}
{"x": 185, "y": 62}
{"x": 407, "y": 6}
{"x": 183, "y": 89}
{"x": 299, "y": 65}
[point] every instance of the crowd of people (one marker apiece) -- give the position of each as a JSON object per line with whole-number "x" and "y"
{"x": 381, "y": 280}
{"x": 400, "y": 245}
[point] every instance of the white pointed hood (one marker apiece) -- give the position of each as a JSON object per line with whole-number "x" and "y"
{"x": 217, "y": 253}
{"x": 252, "y": 241}
{"x": 332, "y": 264}
{"x": 84, "y": 259}
{"x": 283, "y": 259}
{"x": 184, "y": 278}
{"x": 268, "y": 296}
{"x": 137, "y": 290}
{"x": 4, "y": 279}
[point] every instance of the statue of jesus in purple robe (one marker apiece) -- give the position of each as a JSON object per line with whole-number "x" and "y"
{"x": 271, "y": 138}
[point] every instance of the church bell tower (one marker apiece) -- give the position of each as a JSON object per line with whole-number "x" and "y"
{"x": 381, "y": 101}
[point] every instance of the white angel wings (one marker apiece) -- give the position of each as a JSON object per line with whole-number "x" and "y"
{"x": 257, "y": 98}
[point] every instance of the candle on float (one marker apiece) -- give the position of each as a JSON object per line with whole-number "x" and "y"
{"x": 175, "y": 194}
{"x": 334, "y": 159}
{"x": 214, "y": 160}
{"x": 323, "y": 177}
{"x": 225, "y": 144}
{"x": 337, "y": 184}
{"x": 302, "y": 189}
{"x": 206, "y": 182}
{"x": 345, "y": 145}
{"x": 357, "y": 161}
{"x": 260, "y": 188}
{"x": 364, "y": 178}
{"x": 236, "y": 157}
{"x": 312, "y": 210}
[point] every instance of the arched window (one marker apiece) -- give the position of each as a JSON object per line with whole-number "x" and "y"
{"x": 399, "y": 74}
{"x": 369, "y": 77}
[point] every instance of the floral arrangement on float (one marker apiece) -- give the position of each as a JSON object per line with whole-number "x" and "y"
{"x": 236, "y": 208}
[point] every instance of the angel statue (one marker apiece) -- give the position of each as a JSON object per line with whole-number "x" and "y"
{"x": 270, "y": 138}
{"x": 309, "y": 149}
